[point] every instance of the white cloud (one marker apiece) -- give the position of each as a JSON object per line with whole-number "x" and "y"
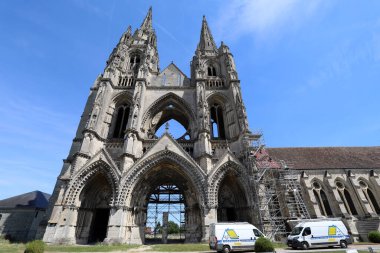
{"x": 263, "y": 18}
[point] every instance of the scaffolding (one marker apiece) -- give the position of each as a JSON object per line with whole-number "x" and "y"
{"x": 165, "y": 198}
{"x": 278, "y": 194}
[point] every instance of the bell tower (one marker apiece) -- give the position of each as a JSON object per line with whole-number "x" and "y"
{"x": 222, "y": 117}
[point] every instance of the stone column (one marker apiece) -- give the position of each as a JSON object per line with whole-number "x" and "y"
{"x": 65, "y": 231}
{"x": 210, "y": 217}
{"x": 117, "y": 226}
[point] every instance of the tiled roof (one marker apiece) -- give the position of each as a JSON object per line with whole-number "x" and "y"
{"x": 35, "y": 199}
{"x": 328, "y": 157}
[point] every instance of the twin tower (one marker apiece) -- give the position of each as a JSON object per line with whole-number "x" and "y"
{"x": 117, "y": 162}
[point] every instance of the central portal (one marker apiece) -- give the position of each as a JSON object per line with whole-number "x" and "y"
{"x": 168, "y": 200}
{"x": 168, "y": 190}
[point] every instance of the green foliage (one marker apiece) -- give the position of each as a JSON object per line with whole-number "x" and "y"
{"x": 263, "y": 245}
{"x": 36, "y": 246}
{"x": 173, "y": 227}
{"x": 374, "y": 236}
{"x": 3, "y": 239}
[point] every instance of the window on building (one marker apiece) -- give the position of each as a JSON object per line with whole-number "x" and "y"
{"x": 122, "y": 115}
{"x": 211, "y": 71}
{"x": 346, "y": 198}
{"x": 217, "y": 122}
{"x": 369, "y": 196}
{"x": 322, "y": 199}
{"x": 134, "y": 62}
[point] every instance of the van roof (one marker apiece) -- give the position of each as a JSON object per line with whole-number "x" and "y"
{"x": 308, "y": 223}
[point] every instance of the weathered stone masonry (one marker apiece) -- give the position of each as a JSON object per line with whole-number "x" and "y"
{"x": 116, "y": 160}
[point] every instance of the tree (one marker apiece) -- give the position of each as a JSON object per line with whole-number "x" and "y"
{"x": 173, "y": 227}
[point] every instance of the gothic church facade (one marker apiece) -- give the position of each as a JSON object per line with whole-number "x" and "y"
{"x": 117, "y": 161}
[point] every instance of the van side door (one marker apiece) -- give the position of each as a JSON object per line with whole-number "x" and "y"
{"x": 307, "y": 236}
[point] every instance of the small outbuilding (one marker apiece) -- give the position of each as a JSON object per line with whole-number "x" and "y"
{"x": 21, "y": 215}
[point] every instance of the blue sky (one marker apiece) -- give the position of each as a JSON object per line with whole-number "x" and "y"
{"x": 309, "y": 70}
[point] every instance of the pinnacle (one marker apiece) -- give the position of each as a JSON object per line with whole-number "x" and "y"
{"x": 147, "y": 23}
{"x": 126, "y": 34}
{"x": 206, "y": 41}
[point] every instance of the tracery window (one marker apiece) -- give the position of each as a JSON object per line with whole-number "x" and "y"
{"x": 322, "y": 199}
{"x": 121, "y": 115}
{"x": 369, "y": 196}
{"x": 346, "y": 197}
{"x": 217, "y": 122}
{"x": 211, "y": 71}
{"x": 134, "y": 62}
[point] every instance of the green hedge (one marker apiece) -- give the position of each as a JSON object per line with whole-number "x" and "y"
{"x": 263, "y": 245}
{"x": 36, "y": 246}
{"x": 374, "y": 236}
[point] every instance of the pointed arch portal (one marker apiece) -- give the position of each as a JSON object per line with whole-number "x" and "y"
{"x": 94, "y": 210}
{"x": 167, "y": 188}
{"x": 232, "y": 202}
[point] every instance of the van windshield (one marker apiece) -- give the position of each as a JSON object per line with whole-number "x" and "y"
{"x": 257, "y": 233}
{"x": 296, "y": 231}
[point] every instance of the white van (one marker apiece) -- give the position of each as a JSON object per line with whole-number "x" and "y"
{"x": 233, "y": 236}
{"x": 319, "y": 233}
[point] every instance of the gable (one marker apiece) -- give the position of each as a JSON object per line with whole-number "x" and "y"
{"x": 171, "y": 76}
{"x": 166, "y": 142}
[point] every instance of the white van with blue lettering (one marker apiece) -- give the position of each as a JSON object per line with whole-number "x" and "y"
{"x": 233, "y": 236}
{"x": 319, "y": 233}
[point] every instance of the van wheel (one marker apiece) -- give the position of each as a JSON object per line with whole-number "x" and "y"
{"x": 226, "y": 249}
{"x": 305, "y": 245}
{"x": 343, "y": 244}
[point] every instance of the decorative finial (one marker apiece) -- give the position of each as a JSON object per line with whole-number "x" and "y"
{"x": 228, "y": 146}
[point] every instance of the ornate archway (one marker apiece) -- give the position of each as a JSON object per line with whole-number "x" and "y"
{"x": 231, "y": 193}
{"x": 93, "y": 192}
{"x": 165, "y": 169}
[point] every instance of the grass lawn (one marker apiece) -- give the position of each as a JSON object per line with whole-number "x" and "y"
{"x": 6, "y": 247}
{"x": 180, "y": 247}
{"x": 86, "y": 248}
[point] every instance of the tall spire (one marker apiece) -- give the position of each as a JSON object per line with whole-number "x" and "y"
{"x": 147, "y": 23}
{"x": 206, "y": 41}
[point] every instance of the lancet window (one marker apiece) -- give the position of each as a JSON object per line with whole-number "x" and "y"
{"x": 369, "y": 196}
{"x": 121, "y": 121}
{"x": 346, "y": 197}
{"x": 134, "y": 62}
{"x": 211, "y": 71}
{"x": 322, "y": 199}
{"x": 217, "y": 122}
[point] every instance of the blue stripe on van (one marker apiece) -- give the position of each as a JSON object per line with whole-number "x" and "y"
{"x": 330, "y": 236}
{"x": 237, "y": 240}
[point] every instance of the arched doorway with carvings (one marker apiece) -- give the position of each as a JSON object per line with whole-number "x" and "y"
{"x": 232, "y": 200}
{"x": 94, "y": 210}
{"x": 167, "y": 187}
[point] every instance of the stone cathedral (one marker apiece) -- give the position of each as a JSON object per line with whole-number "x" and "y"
{"x": 117, "y": 161}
